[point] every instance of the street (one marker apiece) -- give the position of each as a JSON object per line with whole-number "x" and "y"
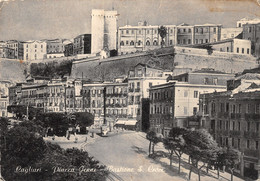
{"x": 126, "y": 154}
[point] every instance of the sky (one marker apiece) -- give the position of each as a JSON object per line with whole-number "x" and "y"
{"x": 50, "y": 19}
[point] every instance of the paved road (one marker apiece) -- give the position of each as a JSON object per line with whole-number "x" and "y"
{"x": 126, "y": 153}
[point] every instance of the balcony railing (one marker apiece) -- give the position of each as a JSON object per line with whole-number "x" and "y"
{"x": 249, "y": 116}
{"x": 131, "y": 90}
{"x": 235, "y": 115}
{"x": 223, "y": 114}
{"x": 137, "y": 90}
{"x": 250, "y": 134}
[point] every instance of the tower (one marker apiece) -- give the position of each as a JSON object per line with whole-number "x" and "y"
{"x": 103, "y": 29}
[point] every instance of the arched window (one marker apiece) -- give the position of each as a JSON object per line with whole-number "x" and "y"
{"x": 155, "y": 42}
{"x": 147, "y": 43}
{"x": 132, "y": 43}
{"x": 122, "y": 43}
{"x": 139, "y": 42}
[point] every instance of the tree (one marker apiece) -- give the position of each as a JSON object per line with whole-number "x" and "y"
{"x": 175, "y": 143}
{"x": 162, "y": 30}
{"x": 201, "y": 147}
{"x": 150, "y": 135}
{"x": 59, "y": 122}
{"x": 231, "y": 159}
{"x": 82, "y": 119}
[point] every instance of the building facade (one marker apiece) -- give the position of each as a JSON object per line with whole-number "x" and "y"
{"x": 7, "y": 53}
{"x": 252, "y": 32}
{"x": 34, "y": 50}
{"x": 143, "y": 37}
{"x": 68, "y": 50}
{"x": 233, "y": 119}
{"x": 17, "y": 46}
{"x": 227, "y": 33}
{"x": 104, "y": 30}
{"x": 82, "y": 44}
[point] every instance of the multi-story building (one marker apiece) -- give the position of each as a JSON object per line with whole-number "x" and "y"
{"x": 7, "y": 53}
{"x": 233, "y": 118}
{"x": 82, "y": 44}
{"x": 17, "y": 46}
{"x": 56, "y": 47}
{"x": 56, "y": 97}
{"x": 143, "y": 37}
{"x": 207, "y": 33}
{"x": 104, "y": 30}
{"x": 244, "y": 21}
{"x": 171, "y": 103}
{"x": 227, "y": 33}
{"x": 140, "y": 79}
{"x": 252, "y": 32}
{"x": 34, "y": 50}
{"x": 68, "y": 50}
{"x": 185, "y": 34}
{"x": 116, "y": 100}
{"x": 3, "y": 106}
{"x": 35, "y": 95}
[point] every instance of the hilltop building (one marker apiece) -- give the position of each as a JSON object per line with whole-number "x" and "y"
{"x": 103, "y": 30}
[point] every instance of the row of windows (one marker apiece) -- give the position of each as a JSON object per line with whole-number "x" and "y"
{"x": 116, "y": 101}
{"x": 148, "y": 31}
{"x": 116, "y": 111}
{"x": 161, "y": 109}
{"x": 225, "y": 142}
{"x": 236, "y": 126}
{"x": 237, "y": 108}
{"x": 242, "y": 50}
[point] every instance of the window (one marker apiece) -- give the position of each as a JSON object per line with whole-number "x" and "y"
{"x": 233, "y": 142}
{"x": 189, "y": 30}
{"x": 239, "y": 25}
{"x": 139, "y": 42}
{"x": 170, "y": 42}
{"x": 256, "y": 145}
{"x": 122, "y": 43}
{"x": 189, "y": 41}
{"x": 171, "y": 30}
{"x": 215, "y": 81}
{"x": 249, "y": 29}
{"x": 35, "y": 46}
{"x": 122, "y": 32}
{"x": 237, "y": 50}
{"x": 155, "y": 42}
{"x": 179, "y": 30}
{"x": 148, "y": 31}
{"x": 248, "y": 126}
{"x": 147, "y": 43}
{"x": 201, "y": 41}
{"x": 257, "y": 127}
{"x": 248, "y": 51}
{"x": 140, "y": 32}
{"x": 133, "y": 32}
{"x": 195, "y": 94}
{"x": 242, "y": 50}
{"x": 127, "y": 32}
{"x": 206, "y": 41}
{"x": 196, "y": 30}
{"x": 227, "y": 49}
{"x": 184, "y": 41}
{"x": 214, "y": 30}
{"x": 247, "y": 143}
{"x": 132, "y": 43}
{"x": 238, "y": 126}
{"x": 206, "y": 80}
{"x": 195, "y": 110}
{"x": 179, "y": 41}
{"x": 150, "y": 84}
{"x": 238, "y": 143}
{"x": 196, "y": 41}
{"x": 184, "y": 30}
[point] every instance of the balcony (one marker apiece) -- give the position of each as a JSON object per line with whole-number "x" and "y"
{"x": 236, "y": 133}
{"x": 250, "y": 134}
{"x": 131, "y": 89}
{"x": 235, "y": 115}
{"x": 255, "y": 117}
{"x": 137, "y": 90}
{"x": 251, "y": 153}
{"x": 223, "y": 114}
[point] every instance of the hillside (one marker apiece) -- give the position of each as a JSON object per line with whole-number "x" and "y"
{"x": 12, "y": 70}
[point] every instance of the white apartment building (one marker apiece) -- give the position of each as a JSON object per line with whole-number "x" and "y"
{"x": 103, "y": 30}
{"x": 143, "y": 37}
{"x": 139, "y": 82}
{"x": 34, "y": 50}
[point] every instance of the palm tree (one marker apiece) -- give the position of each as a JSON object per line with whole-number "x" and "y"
{"x": 162, "y": 30}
